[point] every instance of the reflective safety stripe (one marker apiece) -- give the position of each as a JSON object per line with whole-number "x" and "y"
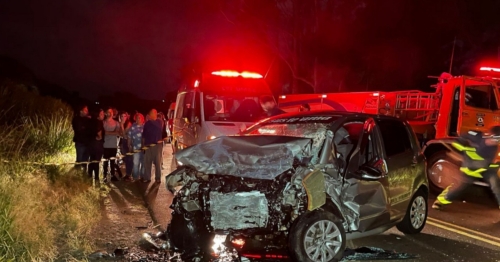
{"x": 474, "y": 155}
{"x": 494, "y": 165}
{"x": 460, "y": 147}
{"x": 442, "y": 197}
{"x": 473, "y": 173}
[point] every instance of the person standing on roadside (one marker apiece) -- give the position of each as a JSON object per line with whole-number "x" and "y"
{"x": 152, "y": 135}
{"x": 96, "y": 143}
{"x": 111, "y": 133}
{"x": 305, "y": 108}
{"x": 125, "y": 125}
{"x": 268, "y": 104}
{"x": 80, "y": 124}
{"x": 161, "y": 118}
{"x": 134, "y": 135}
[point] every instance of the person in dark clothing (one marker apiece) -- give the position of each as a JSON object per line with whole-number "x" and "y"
{"x": 305, "y": 108}
{"x": 80, "y": 124}
{"x": 151, "y": 134}
{"x": 479, "y": 152}
{"x": 164, "y": 134}
{"x": 96, "y": 143}
{"x": 125, "y": 124}
{"x": 269, "y": 105}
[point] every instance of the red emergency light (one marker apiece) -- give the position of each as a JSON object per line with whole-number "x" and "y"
{"x": 229, "y": 73}
{"x": 490, "y": 69}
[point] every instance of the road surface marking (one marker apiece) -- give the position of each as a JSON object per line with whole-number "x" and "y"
{"x": 464, "y": 229}
{"x": 460, "y": 232}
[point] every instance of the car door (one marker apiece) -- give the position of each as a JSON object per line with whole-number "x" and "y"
{"x": 368, "y": 183}
{"x": 403, "y": 164}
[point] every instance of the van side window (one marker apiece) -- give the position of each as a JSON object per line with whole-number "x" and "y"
{"x": 180, "y": 105}
{"x": 197, "y": 106}
{"x": 482, "y": 96}
{"x": 188, "y": 105}
{"x": 395, "y": 136}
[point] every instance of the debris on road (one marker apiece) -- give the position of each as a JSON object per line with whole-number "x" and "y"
{"x": 374, "y": 253}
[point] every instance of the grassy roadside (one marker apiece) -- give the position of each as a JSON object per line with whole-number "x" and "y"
{"x": 46, "y": 212}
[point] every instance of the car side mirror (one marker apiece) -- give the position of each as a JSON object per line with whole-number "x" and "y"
{"x": 368, "y": 173}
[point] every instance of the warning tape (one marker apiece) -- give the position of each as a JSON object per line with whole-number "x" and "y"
{"x": 85, "y": 162}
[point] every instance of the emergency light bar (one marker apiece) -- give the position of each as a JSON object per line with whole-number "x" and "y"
{"x": 229, "y": 73}
{"x": 485, "y": 68}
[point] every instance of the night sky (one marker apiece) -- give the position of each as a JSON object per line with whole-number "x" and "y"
{"x": 104, "y": 46}
{"x": 91, "y": 46}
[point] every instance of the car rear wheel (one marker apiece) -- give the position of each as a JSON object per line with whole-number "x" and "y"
{"x": 416, "y": 214}
{"x": 317, "y": 236}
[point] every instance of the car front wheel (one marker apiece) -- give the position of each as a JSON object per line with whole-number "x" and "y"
{"x": 317, "y": 236}
{"x": 416, "y": 214}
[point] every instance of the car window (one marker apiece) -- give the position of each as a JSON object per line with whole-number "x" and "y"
{"x": 180, "y": 108}
{"x": 188, "y": 105}
{"x": 481, "y": 96}
{"x": 395, "y": 136}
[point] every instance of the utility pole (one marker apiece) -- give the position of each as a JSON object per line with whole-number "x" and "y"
{"x": 452, "y": 54}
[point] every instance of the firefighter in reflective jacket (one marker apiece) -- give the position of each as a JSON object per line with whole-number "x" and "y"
{"x": 479, "y": 152}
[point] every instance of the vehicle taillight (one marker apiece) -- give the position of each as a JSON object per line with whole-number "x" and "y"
{"x": 229, "y": 73}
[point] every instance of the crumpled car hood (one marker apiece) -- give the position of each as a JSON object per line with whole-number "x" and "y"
{"x": 258, "y": 157}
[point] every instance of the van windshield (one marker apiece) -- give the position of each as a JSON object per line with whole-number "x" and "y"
{"x": 233, "y": 108}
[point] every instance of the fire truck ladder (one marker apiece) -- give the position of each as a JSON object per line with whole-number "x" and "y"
{"x": 417, "y": 105}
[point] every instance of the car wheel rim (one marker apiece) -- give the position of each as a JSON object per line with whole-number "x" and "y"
{"x": 439, "y": 168}
{"x": 418, "y": 212}
{"x": 322, "y": 241}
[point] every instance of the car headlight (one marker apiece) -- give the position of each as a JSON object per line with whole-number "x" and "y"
{"x": 211, "y": 137}
{"x": 218, "y": 245}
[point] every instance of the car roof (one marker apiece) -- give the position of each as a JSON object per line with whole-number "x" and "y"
{"x": 332, "y": 113}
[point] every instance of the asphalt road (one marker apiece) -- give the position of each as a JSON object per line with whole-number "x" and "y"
{"x": 467, "y": 230}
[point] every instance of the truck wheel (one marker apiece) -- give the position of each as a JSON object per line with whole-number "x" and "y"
{"x": 316, "y": 237}
{"x": 416, "y": 214}
{"x": 442, "y": 171}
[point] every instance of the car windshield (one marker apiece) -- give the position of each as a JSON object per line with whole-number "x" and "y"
{"x": 313, "y": 127}
{"x": 234, "y": 108}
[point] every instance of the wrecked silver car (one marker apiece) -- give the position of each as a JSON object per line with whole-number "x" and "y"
{"x": 297, "y": 186}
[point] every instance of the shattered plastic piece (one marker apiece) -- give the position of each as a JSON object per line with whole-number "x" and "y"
{"x": 120, "y": 252}
{"x": 374, "y": 253}
{"x": 99, "y": 254}
{"x": 149, "y": 239}
{"x": 161, "y": 235}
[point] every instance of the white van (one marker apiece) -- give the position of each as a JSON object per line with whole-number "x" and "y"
{"x": 216, "y": 104}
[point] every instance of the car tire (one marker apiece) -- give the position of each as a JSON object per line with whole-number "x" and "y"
{"x": 438, "y": 162}
{"x": 313, "y": 225}
{"x": 416, "y": 214}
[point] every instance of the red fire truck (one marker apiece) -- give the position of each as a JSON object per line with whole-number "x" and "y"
{"x": 459, "y": 104}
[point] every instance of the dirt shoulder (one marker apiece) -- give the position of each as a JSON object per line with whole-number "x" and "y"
{"x": 125, "y": 217}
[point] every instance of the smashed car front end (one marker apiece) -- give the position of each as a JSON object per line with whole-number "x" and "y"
{"x": 245, "y": 199}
